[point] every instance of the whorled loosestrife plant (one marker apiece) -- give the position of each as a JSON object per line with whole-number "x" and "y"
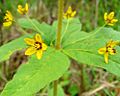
{"x": 39, "y": 47}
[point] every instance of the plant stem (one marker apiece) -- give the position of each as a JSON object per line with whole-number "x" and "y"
{"x": 87, "y": 36}
{"x": 36, "y": 27}
{"x": 59, "y": 29}
{"x": 68, "y": 21}
{"x": 58, "y": 36}
{"x": 22, "y": 31}
{"x": 55, "y": 88}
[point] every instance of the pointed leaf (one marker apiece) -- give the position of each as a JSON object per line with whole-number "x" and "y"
{"x": 36, "y": 74}
{"x": 44, "y": 29}
{"x": 7, "y": 49}
{"x": 85, "y": 50}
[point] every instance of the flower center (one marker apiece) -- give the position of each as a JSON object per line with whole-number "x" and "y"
{"x": 109, "y": 49}
{"x": 113, "y": 50}
{"x": 23, "y": 11}
{"x": 68, "y": 15}
{"x": 109, "y": 20}
{"x": 38, "y": 45}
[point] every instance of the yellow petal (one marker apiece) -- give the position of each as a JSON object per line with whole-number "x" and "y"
{"x": 105, "y": 16}
{"x": 114, "y": 20}
{"x": 111, "y": 24}
{"x": 73, "y": 14}
{"x": 9, "y": 15}
{"x": 20, "y": 9}
{"x": 19, "y": 6}
{"x": 26, "y": 7}
{"x": 115, "y": 43}
{"x": 7, "y": 24}
{"x": 69, "y": 10}
{"x": 102, "y": 50}
{"x": 106, "y": 57}
{"x": 30, "y": 51}
{"x": 29, "y": 41}
{"x": 112, "y": 43}
{"x": 44, "y": 46}
{"x": 39, "y": 54}
{"x": 109, "y": 43}
{"x": 38, "y": 38}
{"x": 111, "y": 15}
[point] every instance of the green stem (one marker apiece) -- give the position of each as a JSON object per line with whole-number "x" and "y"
{"x": 65, "y": 29}
{"x": 55, "y": 88}
{"x": 59, "y": 29}
{"x": 87, "y": 36}
{"x": 20, "y": 29}
{"x": 58, "y": 36}
{"x": 34, "y": 25}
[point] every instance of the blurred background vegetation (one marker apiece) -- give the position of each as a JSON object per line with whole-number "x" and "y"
{"x": 81, "y": 80}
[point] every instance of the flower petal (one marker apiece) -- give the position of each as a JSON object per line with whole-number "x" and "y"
{"x": 114, "y": 20}
{"x": 30, "y": 51}
{"x": 106, "y": 57}
{"x": 38, "y": 38}
{"x": 105, "y": 16}
{"x": 111, "y": 15}
{"x": 9, "y": 15}
{"x": 39, "y": 54}
{"x": 112, "y": 43}
{"x": 102, "y": 50}
{"x": 44, "y": 46}
{"x": 69, "y": 11}
{"x": 26, "y": 7}
{"x": 111, "y": 24}
{"x": 20, "y": 9}
{"x": 73, "y": 14}
{"x": 29, "y": 41}
{"x": 7, "y": 24}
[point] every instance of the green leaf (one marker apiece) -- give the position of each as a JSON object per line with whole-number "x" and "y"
{"x": 60, "y": 91}
{"x": 48, "y": 32}
{"x": 77, "y": 35}
{"x": 7, "y": 49}
{"x": 44, "y": 29}
{"x": 85, "y": 50}
{"x": 36, "y": 74}
{"x": 68, "y": 27}
{"x": 30, "y": 24}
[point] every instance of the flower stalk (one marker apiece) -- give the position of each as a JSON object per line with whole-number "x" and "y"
{"x": 68, "y": 22}
{"x": 36, "y": 27}
{"x": 55, "y": 88}
{"x": 59, "y": 28}
{"x": 58, "y": 36}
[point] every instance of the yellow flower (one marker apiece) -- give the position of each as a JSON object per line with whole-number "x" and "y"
{"x": 8, "y": 18}
{"x": 36, "y": 46}
{"x": 109, "y": 18}
{"x": 69, "y": 13}
{"x": 23, "y": 10}
{"x": 108, "y": 49}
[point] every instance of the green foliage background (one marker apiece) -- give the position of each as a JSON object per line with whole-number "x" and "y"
{"x": 90, "y": 14}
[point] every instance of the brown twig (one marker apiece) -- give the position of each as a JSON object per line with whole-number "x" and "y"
{"x": 104, "y": 85}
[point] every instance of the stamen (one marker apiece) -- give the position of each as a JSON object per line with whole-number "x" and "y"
{"x": 38, "y": 45}
{"x": 114, "y": 51}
